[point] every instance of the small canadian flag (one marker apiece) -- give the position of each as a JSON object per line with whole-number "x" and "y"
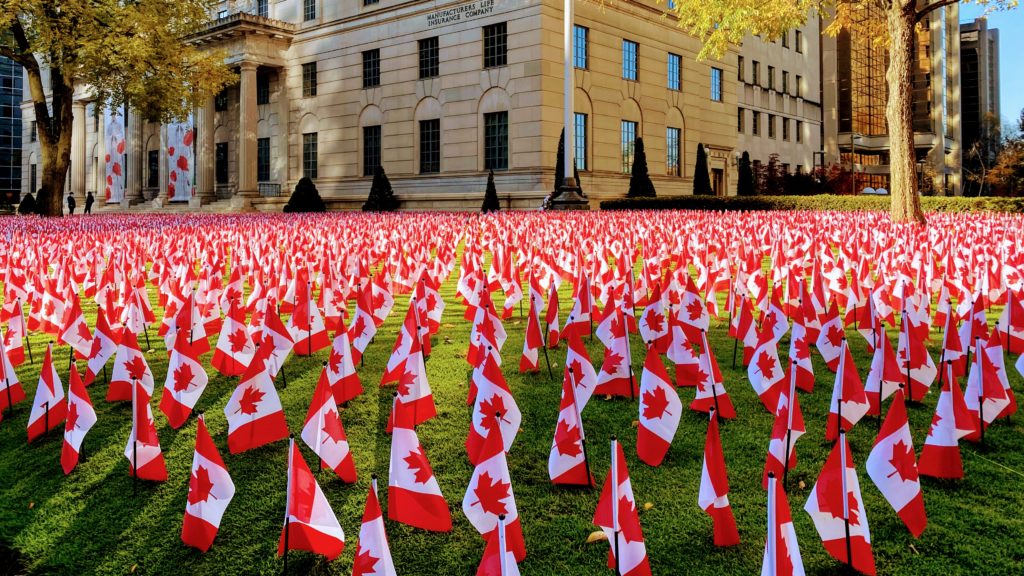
{"x": 373, "y": 556}
{"x": 145, "y": 459}
{"x": 324, "y": 433}
{"x": 414, "y": 497}
{"x": 309, "y": 522}
{"x": 210, "y": 490}
{"x": 80, "y": 418}
{"x": 186, "y": 380}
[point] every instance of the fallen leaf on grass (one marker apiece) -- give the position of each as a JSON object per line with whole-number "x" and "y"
{"x": 607, "y": 397}
{"x": 31, "y": 505}
{"x": 446, "y": 325}
{"x": 635, "y": 423}
{"x": 802, "y": 485}
{"x": 134, "y": 567}
{"x": 648, "y": 505}
{"x": 915, "y": 550}
{"x": 460, "y": 355}
{"x": 597, "y": 536}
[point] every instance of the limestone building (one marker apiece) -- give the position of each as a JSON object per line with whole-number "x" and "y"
{"x": 979, "y": 82}
{"x": 437, "y": 93}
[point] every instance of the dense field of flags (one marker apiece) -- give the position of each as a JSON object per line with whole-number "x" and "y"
{"x": 255, "y": 289}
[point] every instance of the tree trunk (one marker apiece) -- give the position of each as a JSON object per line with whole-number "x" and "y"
{"x": 906, "y": 202}
{"x": 54, "y": 122}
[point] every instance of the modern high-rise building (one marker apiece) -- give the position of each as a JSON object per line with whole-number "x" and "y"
{"x": 979, "y": 83}
{"x": 855, "y": 94}
{"x": 438, "y": 94}
{"x": 10, "y": 131}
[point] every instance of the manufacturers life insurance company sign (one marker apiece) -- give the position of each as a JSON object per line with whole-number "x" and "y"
{"x": 460, "y": 13}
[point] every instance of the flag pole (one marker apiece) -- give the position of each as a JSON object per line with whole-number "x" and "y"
{"x": 840, "y": 375}
{"x": 10, "y": 403}
{"x": 135, "y": 442}
{"x": 789, "y": 426}
{"x": 288, "y": 500}
{"x": 981, "y": 391}
{"x": 547, "y": 359}
{"x": 770, "y": 544}
{"x": 846, "y": 502}
{"x": 629, "y": 353}
{"x": 615, "y": 503}
{"x": 714, "y": 384}
{"x": 579, "y": 424}
{"x": 502, "y": 569}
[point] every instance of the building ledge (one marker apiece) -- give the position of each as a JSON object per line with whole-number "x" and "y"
{"x": 243, "y": 23}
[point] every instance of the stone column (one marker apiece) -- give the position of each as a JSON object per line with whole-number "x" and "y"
{"x": 79, "y": 162}
{"x": 162, "y": 198}
{"x": 247, "y": 119}
{"x": 283, "y": 161}
{"x": 134, "y": 160}
{"x": 205, "y": 177}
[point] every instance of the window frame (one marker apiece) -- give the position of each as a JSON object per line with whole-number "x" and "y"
{"x": 628, "y": 146}
{"x": 371, "y": 68}
{"x": 630, "y": 60}
{"x": 673, "y": 147}
{"x": 373, "y": 146}
{"x": 580, "y": 140}
{"x": 309, "y": 80}
{"x": 222, "y": 150}
{"x": 310, "y": 155}
{"x": 263, "y": 161}
{"x": 677, "y": 69}
{"x": 496, "y": 148}
{"x": 308, "y": 10}
{"x": 771, "y": 126}
{"x": 717, "y": 87}
{"x": 741, "y": 69}
{"x": 429, "y": 50}
{"x": 430, "y": 150}
{"x": 755, "y": 123}
{"x": 580, "y": 55}
{"x": 798, "y": 42}
{"x": 741, "y": 117}
{"x": 495, "y": 45}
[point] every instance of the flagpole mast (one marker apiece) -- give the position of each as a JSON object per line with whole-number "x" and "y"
{"x": 288, "y": 500}
{"x": 711, "y": 375}
{"x": 981, "y": 391}
{"x": 135, "y": 440}
{"x": 840, "y": 376}
{"x": 579, "y": 424}
{"x": 770, "y": 545}
{"x": 846, "y": 502}
{"x": 544, "y": 347}
{"x": 789, "y": 424}
{"x": 615, "y": 500}
{"x": 502, "y": 569}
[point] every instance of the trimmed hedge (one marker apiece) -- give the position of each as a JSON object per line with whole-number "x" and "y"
{"x": 820, "y": 202}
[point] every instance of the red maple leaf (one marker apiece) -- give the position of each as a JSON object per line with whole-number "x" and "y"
{"x": 183, "y": 377}
{"x": 136, "y": 368}
{"x": 333, "y": 428}
{"x": 239, "y": 340}
{"x": 486, "y": 331}
{"x": 629, "y": 521}
{"x": 365, "y": 563}
{"x": 490, "y": 492}
{"x": 655, "y": 403}
{"x": 835, "y": 335}
{"x": 257, "y": 317}
{"x": 97, "y": 346}
{"x": 72, "y": 417}
{"x": 802, "y": 349}
{"x": 935, "y": 422}
{"x": 334, "y": 361}
{"x": 232, "y": 294}
{"x": 49, "y": 309}
{"x": 83, "y": 332}
{"x": 418, "y": 464}
{"x": 616, "y": 328}
{"x": 655, "y": 320}
{"x": 768, "y": 323}
{"x": 431, "y": 301}
{"x": 612, "y": 361}
{"x": 358, "y": 327}
{"x": 250, "y": 398}
{"x": 406, "y": 380}
{"x": 903, "y": 462}
{"x": 694, "y": 310}
{"x": 199, "y": 486}
{"x": 171, "y": 310}
{"x": 490, "y": 408}
{"x": 567, "y": 440}
{"x": 377, "y": 300}
{"x": 702, "y": 379}
{"x": 766, "y": 364}
{"x": 833, "y": 500}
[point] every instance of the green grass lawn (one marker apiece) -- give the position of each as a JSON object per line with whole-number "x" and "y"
{"x": 92, "y": 521}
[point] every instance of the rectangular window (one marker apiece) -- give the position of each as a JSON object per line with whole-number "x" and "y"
{"x": 370, "y": 2}
{"x": 672, "y": 138}
{"x": 263, "y": 159}
{"x": 262, "y": 8}
{"x": 33, "y": 136}
{"x": 32, "y": 178}
{"x": 716, "y": 84}
{"x": 740, "y": 115}
{"x": 675, "y": 71}
{"x": 755, "y": 123}
{"x": 785, "y": 82}
{"x": 799, "y": 86}
{"x": 309, "y": 155}
{"x": 740, "y": 72}
{"x": 371, "y": 150}
{"x": 220, "y": 162}
{"x": 771, "y": 125}
{"x": 153, "y": 178}
{"x": 628, "y": 142}
{"x": 785, "y": 39}
{"x": 785, "y": 129}
{"x": 799, "y": 131}
{"x": 262, "y": 89}
{"x": 495, "y": 45}
{"x": 755, "y": 67}
{"x": 371, "y": 68}
{"x": 771, "y": 77}
{"x": 220, "y": 101}
{"x": 630, "y": 50}
{"x": 430, "y": 146}
{"x": 580, "y": 140}
{"x": 580, "y": 37}
{"x": 496, "y": 141}
{"x": 798, "y": 41}
{"x": 308, "y": 10}
{"x": 429, "y": 57}
{"x": 309, "y": 79}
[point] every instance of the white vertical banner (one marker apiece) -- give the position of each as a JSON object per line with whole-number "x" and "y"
{"x": 180, "y": 160}
{"x": 113, "y": 122}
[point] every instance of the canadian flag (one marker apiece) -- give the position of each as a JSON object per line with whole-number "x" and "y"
{"x": 11, "y": 391}
{"x": 341, "y": 370}
{"x": 713, "y": 496}
{"x": 985, "y": 394}
{"x": 373, "y": 555}
{"x": 382, "y": 300}
{"x": 551, "y": 317}
{"x": 14, "y": 337}
{"x": 975, "y": 324}
{"x": 490, "y": 495}
{"x": 74, "y": 331}
{"x": 582, "y": 307}
{"x": 186, "y": 381}
{"x": 80, "y": 418}
{"x": 693, "y": 314}
{"x": 364, "y": 326}
{"x": 800, "y": 350}
{"x": 892, "y": 466}
{"x": 414, "y": 403}
{"x": 487, "y": 336}
{"x": 254, "y": 412}
{"x": 684, "y": 355}
{"x": 48, "y": 407}
{"x": 414, "y": 497}
{"x": 781, "y": 552}
{"x": 616, "y": 375}
{"x": 534, "y": 338}
{"x": 325, "y": 435}
{"x": 915, "y": 361}
{"x": 837, "y": 509}
{"x": 567, "y": 462}
{"x": 405, "y": 343}
{"x": 494, "y": 408}
{"x": 129, "y": 366}
{"x": 306, "y": 325}
{"x": 309, "y": 522}
{"x": 660, "y": 409}
{"x": 849, "y": 401}
{"x": 210, "y": 490}
{"x": 788, "y": 428}
{"x": 498, "y": 558}
{"x": 235, "y": 349}
{"x": 831, "y": 338}
{"x": 953, "y": 349}
{"x": 104, "y": 345}
{"x": 711, "y": 393}
{"x": 617, "y": 515}
{"x": 765, "y": 369}
{"x": 653, "y": 324}
{"x": 940, "y": 455}
{"x": 583, "y": 373}
{"x": 276, "y": 336}
{"x": 145, "y": 460}
{"x": 1011, "y": 322}
{"x": 885, "y": 377}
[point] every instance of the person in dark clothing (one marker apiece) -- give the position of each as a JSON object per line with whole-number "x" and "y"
{"x": 71, "y": 204}
{"x": 88, "y": 202}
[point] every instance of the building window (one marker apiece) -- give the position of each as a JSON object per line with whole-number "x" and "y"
{"x": 771, "y": 125}
{"x": 799, "y": 131}
{"x": 675, "y": 71}
{"x": 496, "y": 141}
{"x": 785, "y": 129}
{"x": 32, "y": 133}
{"x": 580, "y": 45}
{"x": 630, "y": 50}
{"x": 785, "y": 82}
{"x": 798, "y": 42}
{"x": 263, "y": 159}
{"x": 371, "y": 68}
{"x": 740, "y": 114}
{"x": 740, "y": 72}
{"x": 309, "y": 155}
{"x": 771, "y": 77}
{"x": 220, "y": 162}
{"x": 799, "y": 86}
{"x": 716, "y": 84}
{"x": 755, "y": 67}
{"x": 429, "y": 57}
{"x": 309, "y": 79}
{"x": 628, "y": 142}
{"x": 430, "y": 146}
{"x": 220, "y": 101}
{"x": 580, "y": 141}
{"x": 785, "y": 39}
{"x": 32, "y": 178}
{"x": 153, "y": 178}
{"x": 495, "y": 45}
{"x": 672, "y": 152}
{"x": 262, "y": 8}
{"x": 308, "y": 10}
{"x": 262, "y": 89}
{"x": 370, "y": 2}
{"x": 785, "y": 168}
{"x": 371, "y": 150}
{"x": 755, "y": 123}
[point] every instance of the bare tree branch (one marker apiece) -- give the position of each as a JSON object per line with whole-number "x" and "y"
{"x": 929, "y": 8}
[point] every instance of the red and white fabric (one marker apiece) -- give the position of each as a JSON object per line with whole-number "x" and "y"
{"x": 567, "y": 461}
{"x": 986, "y": 393}
{"x": 309, "y": 521}
{"x": 493, "y": 397}
{"x": 104, "y": 344}
{"x": 324, "y": 433}
{"x": 341, "y": 369}
{"x": 186, "y": 381}
{"x": 145, "y": 459}
{"x": 48, "y": 407}
{"x": 129, "y": 366}
{"x": 74, "y": 330}
{"x": 210, "y": 491}
{"x": 711, "y": 393}
{"x": 80, "y": 418}
{"x": 892, "y": 466}
{"x": 490, "y": 495}
{"x": 781, "y": 551}
{"x": 414, "y": 497}
{"x": 617, "y": 516}
{"x": 660, "y": 410}
{"x": 373, "y": 555}
{"x": 254, "y": 412}
{"x": 884, "y": 377}
{"x": 713, "y": 495}
{"x": 940, "y": 455}
{"x": 849, "y": 401}
{"x": 235, "y": 349}
{"x": 787, "y": 429}
{"x": 11, "y": 391}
